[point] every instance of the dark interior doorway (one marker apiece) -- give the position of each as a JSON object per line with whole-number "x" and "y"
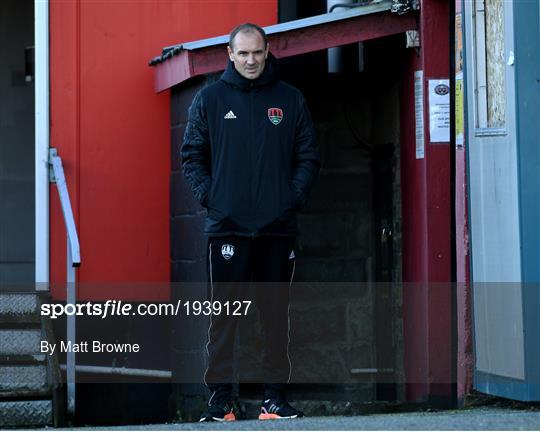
{"x": 350, "y": 230}
{"x": 17, "y": 208}
{"x": 346, "y": 299}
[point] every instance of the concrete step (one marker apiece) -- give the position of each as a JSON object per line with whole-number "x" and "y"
{"x": 20, "y": 341}
{"x": 18, "y": 304}
{"x": 19, "y": 308}
{"x": 26, "y": 413}
{"x": 23, "y": 379}
{"x": 25, "y": 388}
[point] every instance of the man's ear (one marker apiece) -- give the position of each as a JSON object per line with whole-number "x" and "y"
{"x": 267, "y": 49}
{"x": 230, "y": 52}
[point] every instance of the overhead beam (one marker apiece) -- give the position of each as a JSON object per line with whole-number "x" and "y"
{"x": 191, "y": 63}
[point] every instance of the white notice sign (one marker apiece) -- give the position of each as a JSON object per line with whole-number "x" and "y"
{"x": 439, "y": 111}
{"x": 419, "y": 112}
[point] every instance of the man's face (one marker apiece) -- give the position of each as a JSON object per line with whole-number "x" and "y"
{"x": 248, "y": 54}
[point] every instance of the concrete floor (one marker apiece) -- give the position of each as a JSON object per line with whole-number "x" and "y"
{"x": 480, "y": 418}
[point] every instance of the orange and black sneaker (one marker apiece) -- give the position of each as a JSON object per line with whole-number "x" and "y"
{"x": 278, "y": 408}
{"x": 219, "y": 409}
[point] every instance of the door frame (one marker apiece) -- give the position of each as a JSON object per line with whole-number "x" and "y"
{"x": 41, "y": 50}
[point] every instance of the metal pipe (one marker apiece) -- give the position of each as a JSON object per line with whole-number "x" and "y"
{"x": 61, "y": 184}
{"x": 71, "y": 330}
{"x": 371, "y": 370}
{"x": 73, "y": 259}
{"x": 152, "y": 373}
{"x": 336, "y": 57}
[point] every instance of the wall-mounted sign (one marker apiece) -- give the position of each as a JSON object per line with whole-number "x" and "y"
{"x": 419, "y": 112}
{"x": 459, "y": 108}
{"x": 460, "y": 128}
{"x": 439, "y": 111}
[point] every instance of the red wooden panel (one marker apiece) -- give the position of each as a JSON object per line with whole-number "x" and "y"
{"x": 64, "y": 127}
{"x": 113, "y": 132}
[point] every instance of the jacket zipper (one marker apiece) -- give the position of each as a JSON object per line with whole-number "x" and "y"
{"x": 251, "y": 152}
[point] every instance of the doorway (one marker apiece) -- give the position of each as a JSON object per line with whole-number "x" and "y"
{"x": 17, "y": 177}
{"x": 350, "y": 232}
{"x": 346, "y": 338}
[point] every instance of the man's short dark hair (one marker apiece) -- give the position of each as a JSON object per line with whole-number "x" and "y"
{"x": 247, "y": 28}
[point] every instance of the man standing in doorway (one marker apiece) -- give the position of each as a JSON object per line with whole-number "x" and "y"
{"x": 250, "y": 156}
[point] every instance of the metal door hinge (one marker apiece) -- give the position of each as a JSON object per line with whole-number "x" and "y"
{"x": 413, "y": 38}
{"x": 52, "y": 153}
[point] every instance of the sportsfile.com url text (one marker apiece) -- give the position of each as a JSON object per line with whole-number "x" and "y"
{"x": 112, "y": 308}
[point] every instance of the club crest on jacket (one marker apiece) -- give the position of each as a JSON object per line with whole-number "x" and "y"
{"x": 227, "y": 251}
{"x": 275, "y": 115}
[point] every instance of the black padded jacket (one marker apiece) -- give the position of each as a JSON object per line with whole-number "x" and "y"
{"x": 249, "y": 154}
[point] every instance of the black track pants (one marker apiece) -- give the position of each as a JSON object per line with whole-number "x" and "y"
{"x": 232, "y": 263}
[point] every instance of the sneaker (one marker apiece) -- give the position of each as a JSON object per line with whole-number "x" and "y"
{"x": 220, "y": 408}
{"x": 278, "y": 409}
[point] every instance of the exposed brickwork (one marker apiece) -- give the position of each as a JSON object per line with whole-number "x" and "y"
{"x": 188, "y": 258}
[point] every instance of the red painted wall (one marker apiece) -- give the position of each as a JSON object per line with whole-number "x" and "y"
{"x": 112, "y": 132}
{"x": 427, "y": 295}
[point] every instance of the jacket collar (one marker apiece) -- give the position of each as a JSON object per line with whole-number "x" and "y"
{"x": 268, "y": 76}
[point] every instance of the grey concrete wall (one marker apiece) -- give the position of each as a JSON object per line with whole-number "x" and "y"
{"x": 333, "y": 328}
